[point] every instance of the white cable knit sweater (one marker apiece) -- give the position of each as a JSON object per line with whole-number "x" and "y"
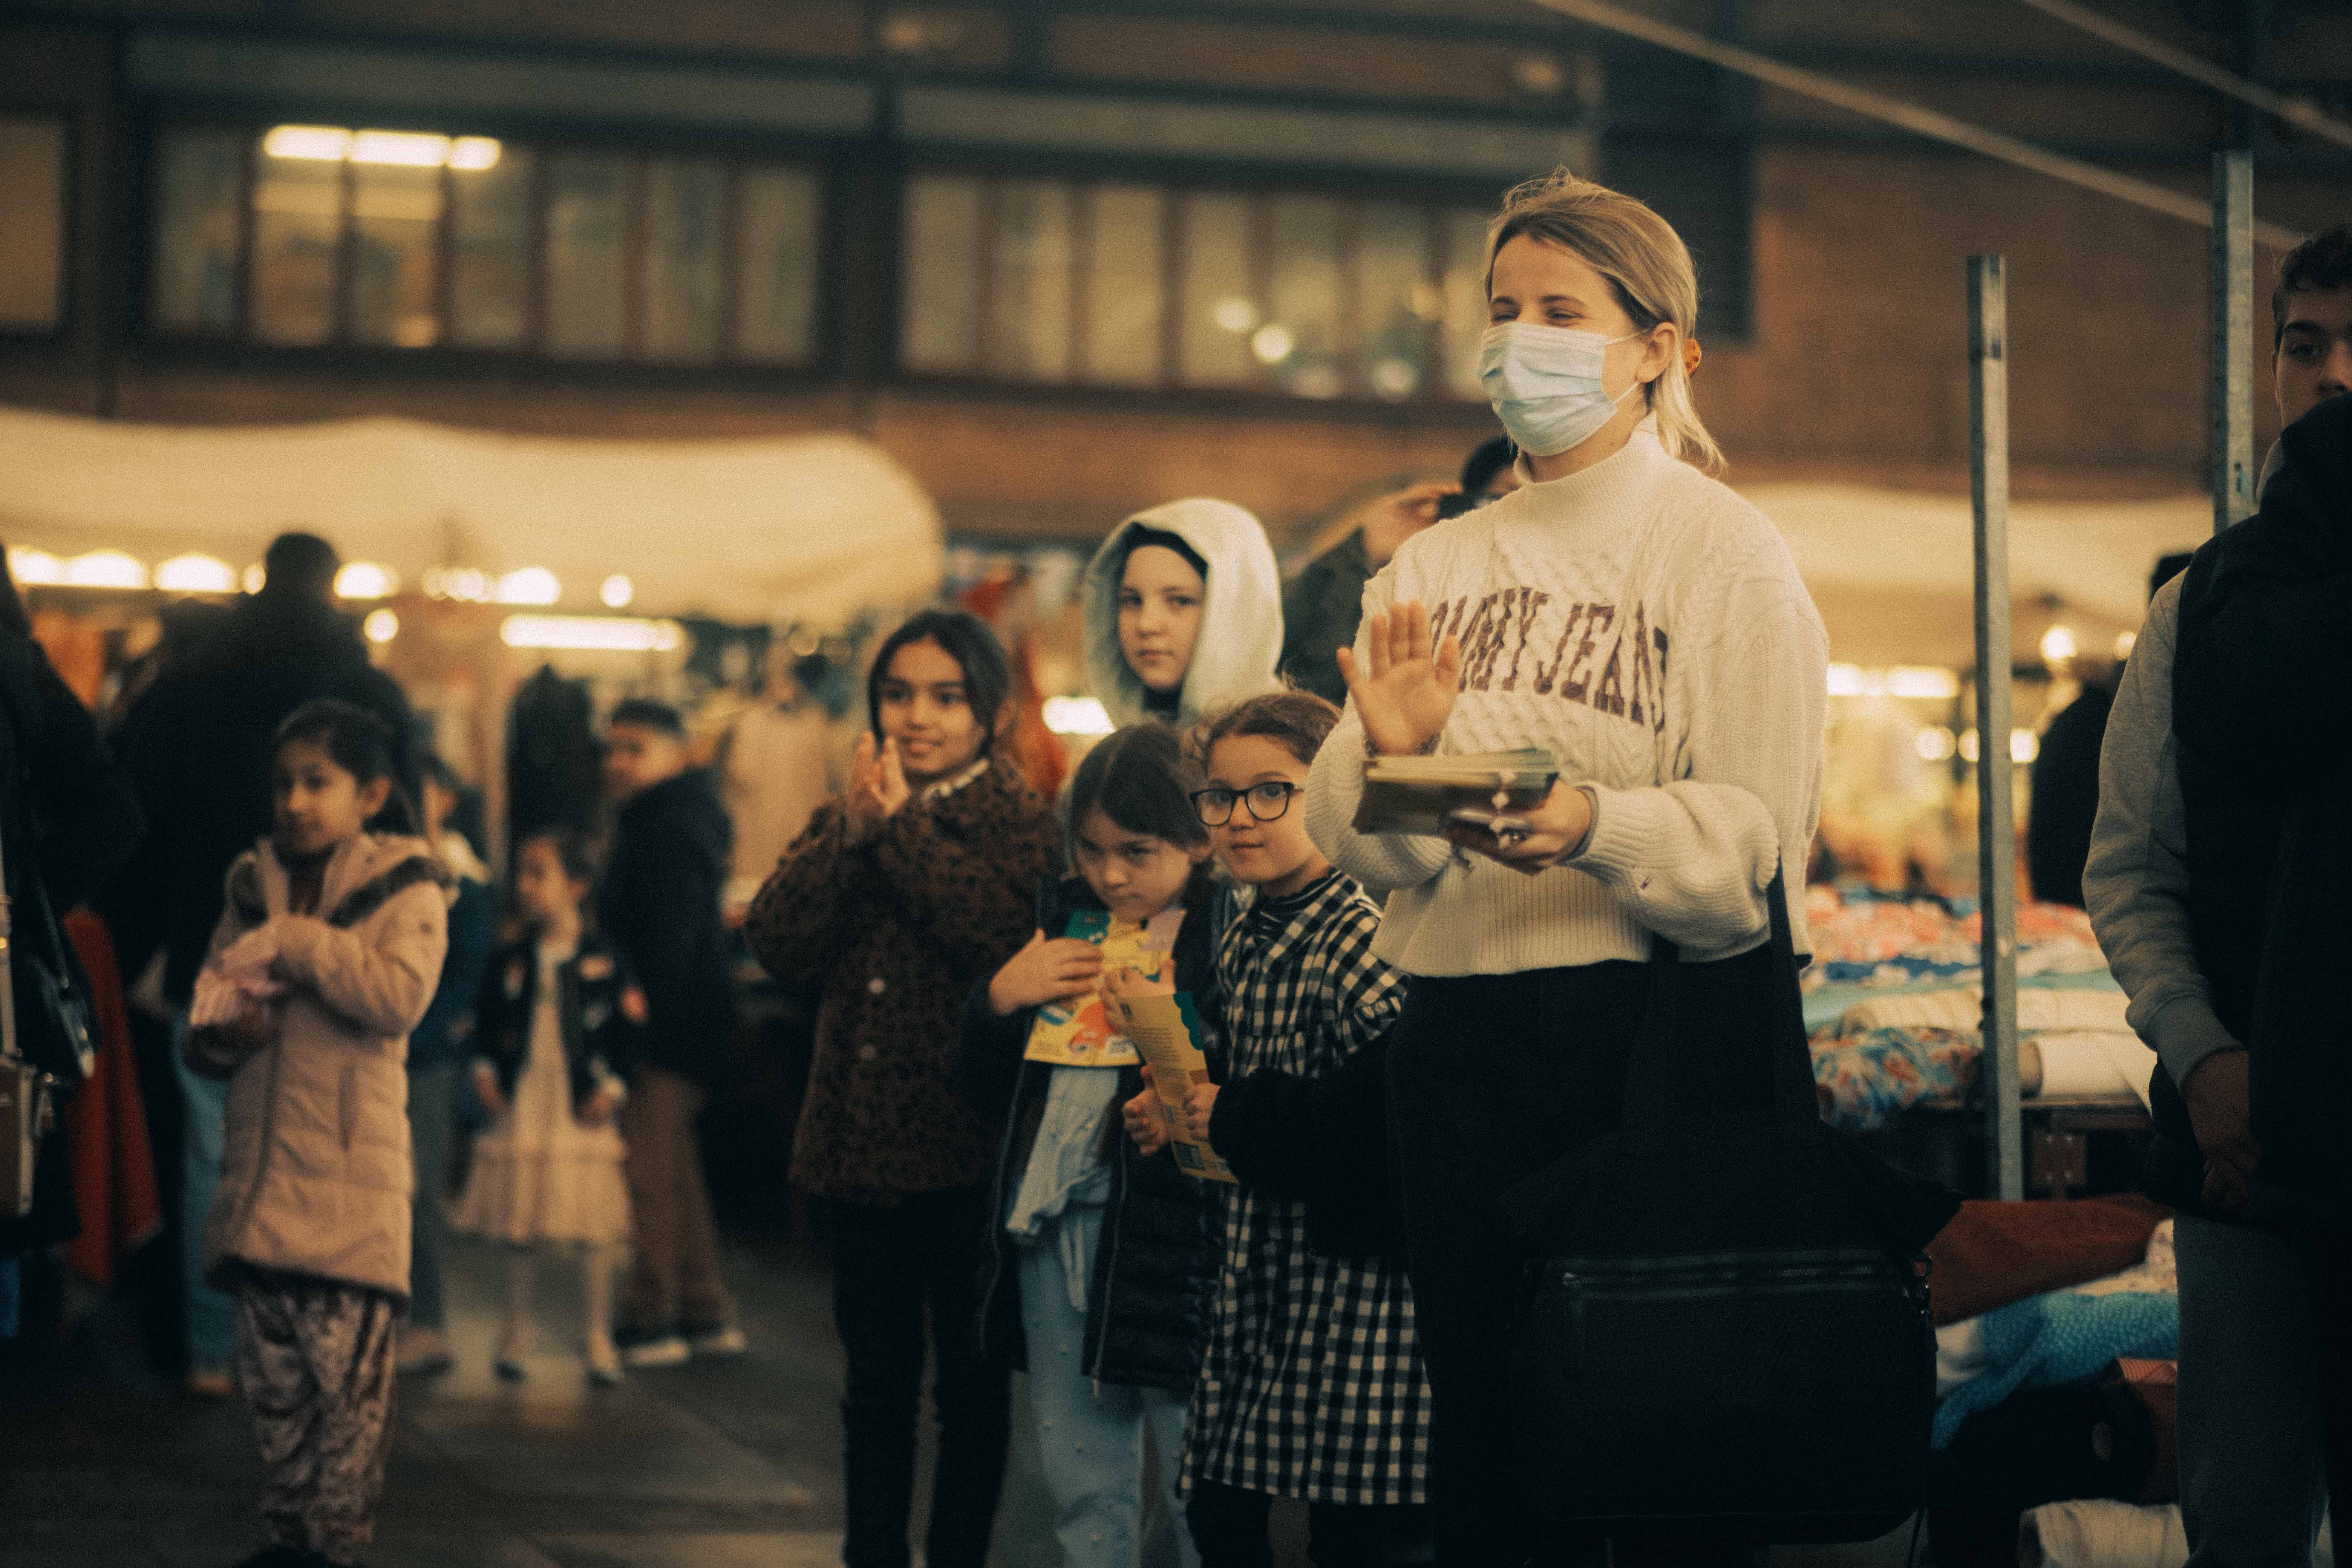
{"x": 1646, "y": 627}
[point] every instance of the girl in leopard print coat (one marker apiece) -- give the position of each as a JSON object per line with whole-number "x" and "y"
{"x": 898, "y": 897}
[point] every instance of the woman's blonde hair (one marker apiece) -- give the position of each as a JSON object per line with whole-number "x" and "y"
{"x": 1643, "y": 259}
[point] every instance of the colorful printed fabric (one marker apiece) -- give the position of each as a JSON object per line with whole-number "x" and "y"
{"x": 1860, "y": 939}
{"x": 1865, "y": 1080}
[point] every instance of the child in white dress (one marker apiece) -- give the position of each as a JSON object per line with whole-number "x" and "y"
{"x": 555, "y": 1029}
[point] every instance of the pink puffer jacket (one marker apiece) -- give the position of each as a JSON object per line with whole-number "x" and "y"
{"x": 315, "y": 1167}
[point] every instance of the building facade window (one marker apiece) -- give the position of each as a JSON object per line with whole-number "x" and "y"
{"x": 1105, "y": 283}
{"x": 32, "y": 223}
{"x": 325, "y": 237}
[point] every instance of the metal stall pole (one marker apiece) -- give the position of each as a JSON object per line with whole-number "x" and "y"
{"x": 2233, "y": 338}
{"x": 1996, "y": 816}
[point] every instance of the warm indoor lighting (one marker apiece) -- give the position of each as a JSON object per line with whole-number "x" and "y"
{"x": 2024, "y": 746}
{"x": 471, "y": 154}
{"x": 408, "y": 149}
{"x": 381, "y": 626}
{"x": 617, "y": 591}
{"x": 195, "y": 573}
{"x": 530, "y": 585}
{"x": 1915, "y": 680}
{"x": 466, "y": 583}
{"x": 1272, "y": 344}
{"x": 1935, "y": 745}
{"x": 2057, "y": 645}
{"x": 35, "y": 568}
{"x": 322, "y": 144}
{"x": 105, "y": 569}
{"x": 2124, "y": 643}
{"x": 610, "y": 634}
{"x": 365, "y": 579}
{"x": 254, "y": 576}
{"x": 405, "y": 149}
{"x": 1077, "y": 716}
{"x": 1922, "y": 680}
{"x": 1233, "y": 313}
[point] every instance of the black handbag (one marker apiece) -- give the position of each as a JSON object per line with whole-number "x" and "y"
{"x": 56, "y": 1024}
{"x": 1728, "y": 1332}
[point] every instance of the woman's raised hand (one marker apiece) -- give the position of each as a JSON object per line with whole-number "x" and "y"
{"x": 1404, "y": 687}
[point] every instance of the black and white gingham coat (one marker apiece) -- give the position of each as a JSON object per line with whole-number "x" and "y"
{"x": 1312, "y": 1386}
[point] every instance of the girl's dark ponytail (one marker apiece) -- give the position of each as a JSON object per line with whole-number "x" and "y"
{"x": 363, "y": 746}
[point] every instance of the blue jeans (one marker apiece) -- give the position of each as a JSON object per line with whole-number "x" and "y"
{"x": 212, "y": 1314}
{"x": 1090, "y": 1435}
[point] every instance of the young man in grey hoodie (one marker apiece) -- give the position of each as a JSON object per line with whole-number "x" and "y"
{"x": 2253, "y": 1425}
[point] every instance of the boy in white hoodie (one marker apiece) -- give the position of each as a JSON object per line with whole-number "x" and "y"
{"x": 1183, "y": 609}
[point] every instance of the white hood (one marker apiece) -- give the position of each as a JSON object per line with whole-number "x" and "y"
{"x": 1241, "y": 618}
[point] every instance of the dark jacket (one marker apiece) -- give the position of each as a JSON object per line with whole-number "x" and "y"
{"x": 1321, "y": 608}
{"x": 2263, "y": 716}
{"x": 659, "y": 904}
{"x": 1323, "y": 1140}
{"x": 197, "y": 750}
{"x": 1156, "y": 1270}
{"x": 898, "y": 929}
{"x": 2066, "y": 797}
{"x": 67, "y": 816}
{"x": 443, "y": 1035}
{"x": 598, "y": 1007}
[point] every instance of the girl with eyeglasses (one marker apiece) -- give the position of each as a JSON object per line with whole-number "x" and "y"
{"x": 1312, "y": 1387}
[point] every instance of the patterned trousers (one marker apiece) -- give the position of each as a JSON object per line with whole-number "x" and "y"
{"x": 316, "y": 1359}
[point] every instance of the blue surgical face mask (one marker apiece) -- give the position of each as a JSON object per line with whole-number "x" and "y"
{"x": 1545, "y": 384}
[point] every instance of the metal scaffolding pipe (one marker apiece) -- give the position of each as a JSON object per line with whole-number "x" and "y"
{"x": 2233, "y": 338}
{"x": 2300, "y": 111}
{"x": 1995, "y": 814}
{"x": 1921, "y": 121}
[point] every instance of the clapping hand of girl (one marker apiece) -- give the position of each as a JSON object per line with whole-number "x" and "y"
{"x": 877, "y": 786}
{"x": 1403, "y": 689}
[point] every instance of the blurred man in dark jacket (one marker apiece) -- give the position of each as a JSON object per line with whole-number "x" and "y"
{"x": 1322, "y": 604}
{"x": 196, "y": 747}
{"x": 660, "y": 904}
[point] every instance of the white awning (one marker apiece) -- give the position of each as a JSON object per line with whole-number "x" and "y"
{"x": 815, "y": 528}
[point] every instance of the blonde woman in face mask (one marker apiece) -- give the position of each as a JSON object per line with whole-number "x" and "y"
{"x": 1628, "y": 613}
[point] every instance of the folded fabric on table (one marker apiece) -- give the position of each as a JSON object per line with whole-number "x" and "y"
{"x": 1962, "y": 1007}
{"x": 1860, "y": 938}
{"x": 2096, "y": 1533}
{"x": 2157, "y": 1273}
{"x": 1961, "y": 1356}
{"x": 2045, "y": 1342}
{"x": 1994, "y": 1253}
{"x": 1867, "y": 1079}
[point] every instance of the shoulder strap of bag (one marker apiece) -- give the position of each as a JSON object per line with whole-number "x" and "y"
{"x": 1657, "y": 1073}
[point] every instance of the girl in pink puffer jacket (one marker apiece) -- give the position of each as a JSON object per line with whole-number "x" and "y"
{"x": 325, "y": 958}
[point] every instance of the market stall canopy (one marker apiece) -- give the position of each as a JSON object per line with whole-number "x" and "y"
{"x": 813, "y": 528}
{"x": 1893, "y": 571}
